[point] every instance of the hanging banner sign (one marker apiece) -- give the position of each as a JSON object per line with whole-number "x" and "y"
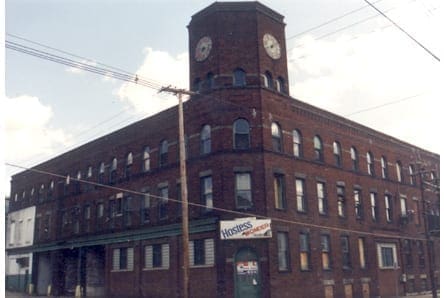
{"x": 245, "y": 228}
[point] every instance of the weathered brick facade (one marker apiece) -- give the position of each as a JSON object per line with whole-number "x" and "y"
{"x": 106, "y": 238}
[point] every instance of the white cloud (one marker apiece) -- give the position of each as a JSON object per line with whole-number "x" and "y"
{"x": 158, "y": 66}
{"x": 345, "y": 75}
{"x": 28, "y": 133}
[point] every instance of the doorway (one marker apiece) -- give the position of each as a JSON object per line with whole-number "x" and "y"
{"x": 247, "y": 275}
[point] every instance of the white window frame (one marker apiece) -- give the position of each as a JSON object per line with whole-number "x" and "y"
{"x": 209, "y": 251}
{"x": 165, "y": 256}
{"x": 392, "y": 246}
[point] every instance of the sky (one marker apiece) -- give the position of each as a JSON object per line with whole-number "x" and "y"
{"x": 357, "y": 65}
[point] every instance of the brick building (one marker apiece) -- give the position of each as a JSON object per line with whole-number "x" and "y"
{"x": 346, "y": 202}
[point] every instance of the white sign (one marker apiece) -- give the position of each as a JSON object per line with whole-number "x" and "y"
{"x": 245, "y": 228}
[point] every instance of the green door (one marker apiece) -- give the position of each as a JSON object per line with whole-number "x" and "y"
{"x": 247, "y": 275}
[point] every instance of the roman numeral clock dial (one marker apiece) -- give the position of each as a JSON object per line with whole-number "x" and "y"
{"x": 272, "y": 46}
{"x": 203, "y": 48}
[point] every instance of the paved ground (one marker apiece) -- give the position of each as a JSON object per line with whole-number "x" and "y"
{"x": 21, "y": 295}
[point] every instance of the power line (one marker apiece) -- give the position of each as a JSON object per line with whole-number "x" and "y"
{"x": 107, "y": 72}
{"x": 385, "y": 104}
{"x": 405, "y": 32}
{"x": 329, "y": 21}
{"x": 76, "y": 56}
{"x": 128, "y": 78}
{"x": 234, "y": 212}
{"x": 344, "y": 27}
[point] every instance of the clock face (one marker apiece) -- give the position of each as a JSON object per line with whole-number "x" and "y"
{"x": 272, "y": 46}
{"x": 203, "y": 48}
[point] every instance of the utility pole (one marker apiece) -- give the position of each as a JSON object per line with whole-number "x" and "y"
{"x": 183, "y": 188}
{"x": 427, "y": 234}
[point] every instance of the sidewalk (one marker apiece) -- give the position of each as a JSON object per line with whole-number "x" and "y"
{"x": 9, "y": 294}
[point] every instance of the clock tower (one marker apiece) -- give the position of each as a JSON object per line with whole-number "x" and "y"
{"x": 237, "y": 45}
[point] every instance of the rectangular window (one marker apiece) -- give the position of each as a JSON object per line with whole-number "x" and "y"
{"x": 361, "y": 250}
{"x": 157, "y": 256}
{"x": 127, "y": 210}
{"x": 421, "y": 257}
{"x": 359, "y": 212}
{"x": 373, "y": 206}
{"x": 123, "y": 259}
{"x": 388, "y": 208}
{"x": 279, "y": 191}
{"x": 345, "y": 249}
{"x": 206, "y": 192}
{"x": 301, "y": 202}
{"x": 416, "y": 212}
{"x": 403, "y": 205}
{"x": 100, "y": 210}
{"x": 304, "y": 251}
{"x": 201, "y": 252}
{"x": 341, "y": 200}
{"x": 283, "y": 252}
{"x": 407, "y": 251}
{"x": 163, "y": 203}
{"x": 387, "y": 258}
{"x": 325, "y": 250}
{"x": 146, "y": 205}
{"x": 243, "y": 191}
{"x": 75, "y": 214}
{"x": 322, "y": 200}
{"x": 37, "y": 228}
{"x": 12, "y": 232}
{"x": 119, "y": 205}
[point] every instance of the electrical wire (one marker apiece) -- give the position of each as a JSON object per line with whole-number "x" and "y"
{"x": 330, "y": 21}
{"x": 385, "y": 104}
{"x": 126, "y": 77}
{"x": 80, "y": 65}
{"x": 92, "y": 61}
{"x": 405, "y": 32}
{"x": 234, "y": 212}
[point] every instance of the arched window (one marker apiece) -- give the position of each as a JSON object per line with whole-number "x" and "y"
{"x": 268, "y": 80}
{"x": 337, "y": 153}
{"x": 276, "y": 135}
{"x": 50, "y": 189}
{"x": 89, "y": 172}
{"x": 370, "y": 164}
{"x": 41, "y": 197}
{"x": 280, "y": 85}
{"x": 384, "y": 172}
{"x": 113, "y": 171}
{"x": 297, "y": 143}
{"x": 399, "y": 171}
{"x": 101, "y": 174}
{"x": 205, "y": 139}
{"x": 66, "y": 186}
{"x": 412, "y": 175}
{"x": 239, "y": 78}
{"x": 128, "y": 165}
{"x": 241, "y": 134}
{"x": 77, "y": 182}
{"x": 163, "y": 153}
{"x": 210, "y": 80}
{"x": 196, "y": 84}
{"x": 129, "y": 159}
{"x": 318, "y": 148}
{"x": 146, "y": 159}
{"x": 354, "y": 158}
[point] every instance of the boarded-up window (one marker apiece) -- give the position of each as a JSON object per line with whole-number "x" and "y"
{"x": 123, "y": 259}
{"x": 201, "y": 252}
{"x": 348, "y": 290}
{"x": 157, "y": 256}
{"x": 328, "y": 290}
